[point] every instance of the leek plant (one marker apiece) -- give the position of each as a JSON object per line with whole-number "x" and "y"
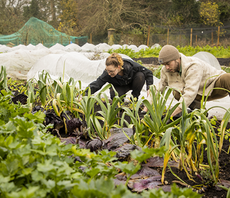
{"x": 68, "y": 96}
{"x": 223, "y": 127}
{"x": 47, "y": 87}
{"x": 3, "y": 79}
{"x": 108, "y": 114}
{"x": 191, "y": 138}
{"x": 31, "y": 95}
{"x": 178, "y": 139}
{"x": 61, "y": 95}
{"x": 86, "y": 106}
{"x": 187, "y": 140}
{"x": 141, "y": 134}
{"x": 156, "y": 118}
{"x": 58, "y": 94}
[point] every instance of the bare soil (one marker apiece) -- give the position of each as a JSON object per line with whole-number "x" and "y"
{"x": 208, "y": 190}
{"x": 224, "y": 158}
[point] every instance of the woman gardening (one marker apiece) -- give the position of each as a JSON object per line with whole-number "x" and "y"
{"x": 124, "y": 75}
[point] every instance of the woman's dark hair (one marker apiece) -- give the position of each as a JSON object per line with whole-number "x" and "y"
{"x": 114, "y": 59}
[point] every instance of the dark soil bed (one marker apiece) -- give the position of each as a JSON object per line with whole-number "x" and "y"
{"x": 211, "y": 192}
{"x": 224, "y": 159}
{"x": 224, "y": 172}
{"x": 208, "y": 191}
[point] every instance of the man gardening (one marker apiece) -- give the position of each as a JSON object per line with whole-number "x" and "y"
{"x": 189, "y": 75}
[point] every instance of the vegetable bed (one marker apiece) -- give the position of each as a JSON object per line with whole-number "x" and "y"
{"x": 57, "y": 142}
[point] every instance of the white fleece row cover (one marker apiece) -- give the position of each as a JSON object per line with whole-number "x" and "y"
{"x": 84, "y": 63}
{"x": 20, "y": 59}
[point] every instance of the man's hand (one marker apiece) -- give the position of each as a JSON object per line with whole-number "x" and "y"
{"x": 176, "y": 111}
{"x": 144, "y": 111}
{"x": 175, "y": 115}
{"x": 79, "y": 98}
{"x": 148, "y": 91}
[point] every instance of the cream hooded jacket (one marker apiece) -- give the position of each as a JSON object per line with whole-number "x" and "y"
{"x": 194, "y": 74}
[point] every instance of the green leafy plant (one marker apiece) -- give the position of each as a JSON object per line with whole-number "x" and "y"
{"x": 138, "y": 156}
{"x": 217, "y": 51}
{"x": 129, "y": 52}
{"x": 9, "y": 110}
{"x": 175, "y": 192}
{"x": 103, "y": 187}
{"x": 157, "y": 72}
{"x": 17, "y": 86}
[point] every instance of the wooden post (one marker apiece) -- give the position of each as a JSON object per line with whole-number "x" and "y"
{"x": 26, "y": 43}
{"x": 148, "y": 36}
{"x": 121, "y": 39}
{"x": 196, "y": 40}
{"x": 191, "y": 38}
{"x": 110, "y": 36}
{"x": 180, "y": 39}
{"x": 218, "y": 36}
{"x": 212, "y": 37}
{"x": 168, "y": 36}
{"x": 91, "y": 38}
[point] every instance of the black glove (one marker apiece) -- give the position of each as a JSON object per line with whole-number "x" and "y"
{"x": 169, "y": 121}
{"x": 143, "y": 112}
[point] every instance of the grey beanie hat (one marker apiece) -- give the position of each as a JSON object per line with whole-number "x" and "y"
{"x": 168, "y": 53}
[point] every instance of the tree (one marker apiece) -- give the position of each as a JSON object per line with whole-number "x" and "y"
{"x": 52, "y": 8}
{"x": 224, "y": 8}
{"x": 156, "y": 12}
{"x": 210, "y": 13}
{"x": 32, "y": 10}
{"x": 68, "y": 17}
{"x": 185, "y": 12}
{"x": 11, "y": 18}
{"x": 122, "y": 15}
{"x": 42, "y": 9}
{"x": 49, "y": 11}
